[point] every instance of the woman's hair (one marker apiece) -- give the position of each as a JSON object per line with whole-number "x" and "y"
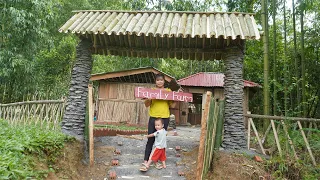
{"x": 159, "y": 75}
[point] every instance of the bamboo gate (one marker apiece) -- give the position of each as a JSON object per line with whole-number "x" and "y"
{"x": 211, "y": 134}
{"x": 212, "y": 128}
{"x": 45, "y": 113}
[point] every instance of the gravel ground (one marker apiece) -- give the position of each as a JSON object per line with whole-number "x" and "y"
{"x": 132, "y": 152}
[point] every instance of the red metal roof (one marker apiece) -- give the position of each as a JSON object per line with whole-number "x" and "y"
{"x": 209, "y": 79}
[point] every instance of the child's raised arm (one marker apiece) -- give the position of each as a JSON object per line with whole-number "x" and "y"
{"x": 150, "y": 135}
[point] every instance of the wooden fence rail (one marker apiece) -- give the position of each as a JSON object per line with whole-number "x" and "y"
{"x": 212, "y": 127}
{"x": 275, "y": 132}
{"x": 45, "y": 113}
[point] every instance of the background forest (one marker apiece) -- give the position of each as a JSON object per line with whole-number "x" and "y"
{"x": 36, "y": 60}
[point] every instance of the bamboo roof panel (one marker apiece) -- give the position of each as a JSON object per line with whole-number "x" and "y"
{"x": 172, "y": 24}
{"x": 156, "y": 34}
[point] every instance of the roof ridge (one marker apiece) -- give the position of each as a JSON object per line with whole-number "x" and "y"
{"x": 181, "y": 12}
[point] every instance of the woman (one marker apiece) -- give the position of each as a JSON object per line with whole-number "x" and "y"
{"x": 158, "y": 109}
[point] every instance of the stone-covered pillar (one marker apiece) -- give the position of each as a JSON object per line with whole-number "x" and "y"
{"x": 73, "y": 122}
{"x": 234, "y": 131}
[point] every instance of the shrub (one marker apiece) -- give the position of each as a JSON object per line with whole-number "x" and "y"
{"x": 20, "y": 144}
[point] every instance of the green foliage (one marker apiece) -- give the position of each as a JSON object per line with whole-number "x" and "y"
{"x": 19, "y": 145}
{"x": 287, "y": 167}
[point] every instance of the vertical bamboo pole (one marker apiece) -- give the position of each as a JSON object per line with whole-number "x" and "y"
{"x": 249, "y": 131}
{"x": 220, "y": 121}
{"x": 307, "y": 144}
{"x": 215, "y": 121}
{"x": 202, "y": 135}
{"x": 276, "y": 137}
{"x": 90, "y": 109}
{"x": 257, "y": 135}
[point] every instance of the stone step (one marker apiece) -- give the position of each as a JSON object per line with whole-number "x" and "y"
{"x": 132, "y": 171}
{"x": 140, "y": 150}
{"x": 184, "y": 142}
{"x": 129, "y": 159}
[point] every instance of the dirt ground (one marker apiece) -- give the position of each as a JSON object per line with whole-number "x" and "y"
{"x": 226, "y": 166}
{"x": 70, "y": 165}
{"x": 229, "y": 166}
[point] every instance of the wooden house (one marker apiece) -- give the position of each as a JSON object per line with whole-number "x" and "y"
{"x": 115, "y": 100}
{"x": 198, "y": 84}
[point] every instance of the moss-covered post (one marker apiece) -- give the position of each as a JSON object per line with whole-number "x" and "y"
{"x": 234, "y": 131}
{"x": 73, "y": 122}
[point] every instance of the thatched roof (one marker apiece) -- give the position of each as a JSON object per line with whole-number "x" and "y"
{"x": 182, "y": 35}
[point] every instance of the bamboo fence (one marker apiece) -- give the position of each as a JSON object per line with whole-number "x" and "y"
{"x": 276, "y": 132}
{"x": 45, "y": 113}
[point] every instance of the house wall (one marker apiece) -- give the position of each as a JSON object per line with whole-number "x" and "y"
{"x": 116, "y": 103}
{"x": 218, "y": 93}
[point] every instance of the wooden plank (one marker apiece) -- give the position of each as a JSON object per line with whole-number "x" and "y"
{"x": 113, "y": 91}
{"x": 307, "y": 144}
{"x": 202, "y": 135}
{"x": 210, "y": 125}
{"x": 90, "y": 110}
{"x": 249, "y": 131}
{"x": 276, "y": 137}
{"x": 257, "y": 135}
{"x": 162, "y": 94}
{"x": 95, "y": 77}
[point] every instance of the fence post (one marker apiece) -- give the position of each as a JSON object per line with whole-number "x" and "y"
{"x": 220, "y": 121}
{"x": 90, "y": 109}
{"x": 249, "y": 131}
{"x": 204, "y": 119}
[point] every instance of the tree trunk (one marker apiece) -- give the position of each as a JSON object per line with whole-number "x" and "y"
{"x": 234, "y": 131}
{"x": 74, "y": 117}
{"x": 285, "y": 61}
{"x": 296, "y": 63}
{"x": 274, "y": 11}
{"x": 266, "y": 95}
{"x": 303, "y": 67}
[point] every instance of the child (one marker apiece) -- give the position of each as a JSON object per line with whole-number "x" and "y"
{"x": 159, "y": 152}
{"x": 158, "y": 109}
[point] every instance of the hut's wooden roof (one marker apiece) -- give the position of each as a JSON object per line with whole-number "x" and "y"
{"x": 181, "y": 35}
{"x": 136, "y": 75}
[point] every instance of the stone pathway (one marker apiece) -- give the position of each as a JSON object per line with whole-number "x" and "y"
{"x": 132, "y": 152}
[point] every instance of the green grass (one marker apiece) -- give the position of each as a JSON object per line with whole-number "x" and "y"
{"x": 19, "y": 145}
{"x": 120, "y": 127}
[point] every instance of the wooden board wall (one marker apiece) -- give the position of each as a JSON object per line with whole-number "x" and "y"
{"x": 117, "y": 103}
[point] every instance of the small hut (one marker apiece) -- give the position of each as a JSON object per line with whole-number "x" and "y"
{"x": 198, "y": 84}
{"x": 115, "y": 101}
